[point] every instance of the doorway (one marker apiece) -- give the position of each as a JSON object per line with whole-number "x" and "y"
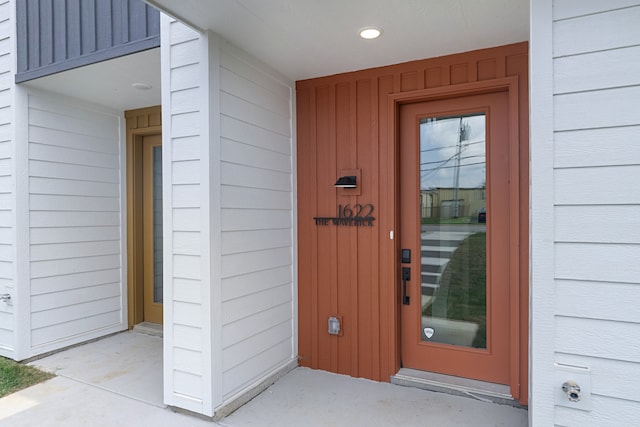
{"x": 455, "y": 236}
{"x": 144, "y": 216}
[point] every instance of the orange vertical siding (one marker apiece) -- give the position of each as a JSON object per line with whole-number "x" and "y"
{"x": 343, "y": 124}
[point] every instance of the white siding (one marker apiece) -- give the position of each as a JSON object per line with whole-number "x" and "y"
{"x": 257, "y": 181}
{"x": 74, "y": 222}
{"x": 230, "y": 220}
{"x": 7, "y": 178}
{"x": 585, "y": 200}
{"x": 187, "y": 346}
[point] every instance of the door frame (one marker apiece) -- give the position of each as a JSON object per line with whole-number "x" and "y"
{"x": 139, "y": 123}
{"x": 517, "y": 306}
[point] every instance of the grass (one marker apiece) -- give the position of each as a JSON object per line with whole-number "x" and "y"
{"x": 16, "y": 376}
{"x": 462, "y": 294}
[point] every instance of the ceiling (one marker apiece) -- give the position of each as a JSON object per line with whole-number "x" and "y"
{"x": 312, "y": 38}
{"x": 307, "y": 38}
{"x": 108, "y": 83}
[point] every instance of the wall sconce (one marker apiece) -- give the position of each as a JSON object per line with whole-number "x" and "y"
{"x": 346, "y": 182}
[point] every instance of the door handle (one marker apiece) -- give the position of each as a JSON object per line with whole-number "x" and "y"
{"x": 406, "y": 276}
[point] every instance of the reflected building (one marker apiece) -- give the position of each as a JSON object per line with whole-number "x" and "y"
{"x": 440, "y": 203}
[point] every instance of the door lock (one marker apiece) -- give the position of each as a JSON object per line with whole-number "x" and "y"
{"x": 406, "y": 276}
{"x": 406, "y": 256}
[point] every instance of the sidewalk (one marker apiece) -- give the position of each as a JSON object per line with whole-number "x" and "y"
{"x": 302, "y": 398}
{"x": 117, "y": 381}
{"x": 312, "y": 398}
{"x": 70, "y": 403}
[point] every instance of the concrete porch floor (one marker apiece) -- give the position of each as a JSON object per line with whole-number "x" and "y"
{"x": 117, "y": 381}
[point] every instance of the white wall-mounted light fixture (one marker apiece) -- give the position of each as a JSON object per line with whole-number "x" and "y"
{"x": 370, "y": 33}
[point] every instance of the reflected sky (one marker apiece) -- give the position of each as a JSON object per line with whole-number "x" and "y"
{"x": 439, "y": 147}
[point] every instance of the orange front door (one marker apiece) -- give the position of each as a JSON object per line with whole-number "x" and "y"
{"x": 454, "y": 179}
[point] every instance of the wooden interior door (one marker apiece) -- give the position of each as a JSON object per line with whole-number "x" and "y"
{"x": 454, "y": 202}
{"x": 152, "y": 227}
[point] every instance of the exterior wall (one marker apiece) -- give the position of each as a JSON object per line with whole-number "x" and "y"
{"x": 228, "y": 220}
{"x": 74, "y": 226}
{"x": 61, "y": 238}
{"x": 55, "y": 36}
{"x": 585, "y": 228}
{"x": 256, "y": 177}
{"x": 343, "y": 125}
{"x": 7, "y": 179}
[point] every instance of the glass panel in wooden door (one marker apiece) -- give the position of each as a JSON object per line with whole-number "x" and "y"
{"x": 453, "y": 230}
{"x": 152, "y": 228}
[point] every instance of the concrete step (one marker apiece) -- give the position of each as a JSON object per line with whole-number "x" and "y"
{"x": 479, "y": 390}
{"x": 433, "y": 265}
{"x": 438, "y": 251}
{"x": 148, "y": 328}
{"x": 456, "y": 236}
{"x": 437, "y": 242}
{"x": 429, "y": 289}
{"x": 430, "y": 278}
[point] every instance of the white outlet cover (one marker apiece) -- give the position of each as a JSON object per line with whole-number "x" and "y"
{"x": 582, "y": 376}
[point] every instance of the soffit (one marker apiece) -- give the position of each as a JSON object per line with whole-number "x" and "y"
{"x": 311, "y": 38}
{"x": 109, "y": 83}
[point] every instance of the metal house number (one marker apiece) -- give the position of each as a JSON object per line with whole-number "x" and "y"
{"x": 356, "y": 216}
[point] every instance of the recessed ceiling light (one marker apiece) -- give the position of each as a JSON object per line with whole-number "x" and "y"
{"x": 370, "y": 33}
{"x": 141, "y": 86}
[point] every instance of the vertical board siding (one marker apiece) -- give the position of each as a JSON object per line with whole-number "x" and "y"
{"x": 256, "y": 173}
{"x": 54, "y": 36}
{"x": 342, "y": 124}
{"x": 7, "y": 178}
{"x": 596, "y": 77}
{"x": 74, "y": 170}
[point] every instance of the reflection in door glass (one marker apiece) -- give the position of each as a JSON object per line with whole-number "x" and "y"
{"x": 453, "y": 230}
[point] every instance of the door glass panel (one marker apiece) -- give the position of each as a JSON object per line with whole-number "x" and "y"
{"x": 453, "y": 230}
{"x": 157, "y": 224}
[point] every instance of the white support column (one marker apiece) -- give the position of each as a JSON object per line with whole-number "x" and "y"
{"x": 191, "y": 192}
{"x": 210, "y": 214}
{"x": 22, "y": 303}
{"x": 542, "y": 289}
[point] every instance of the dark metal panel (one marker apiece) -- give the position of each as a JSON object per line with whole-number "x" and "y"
{"x": 71, "y": 32}
{"x": 46, "y": 32}
{"x": 124, "y": 7}
{"x": 104, "y": 26}
{"x": 33, "y": 34}
{"x": 153, "y": 23}
{"x": 118, "y": 19}
{"x": 58, "y": 35}
{"x": 22, "y": 35}
{"x": 87, "y": 26}
{"x": 137, "y": 20}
